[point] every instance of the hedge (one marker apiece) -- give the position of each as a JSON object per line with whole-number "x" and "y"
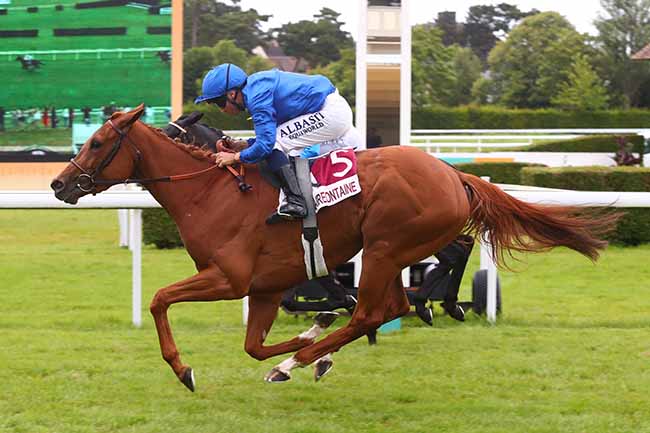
{"x": 101, "y": 4}
{"x": 593, "y": 143}
{"x": 18, "y": 33}
{"x": 91, "y": 31}
{"x": 159, "y": 229}
{"x": 480, "y": 117}
{"x": 634, "y": 227}
{"x": 499, "y": 172}
{"x": 215, "y": 118}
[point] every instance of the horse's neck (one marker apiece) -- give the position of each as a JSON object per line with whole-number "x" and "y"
{"x": 162, "y": 158}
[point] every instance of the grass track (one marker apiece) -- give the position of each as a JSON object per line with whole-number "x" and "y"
{"x": 570, "y": 354}
{"x": 87, "y": 83}
{"x": 66, "y": 82}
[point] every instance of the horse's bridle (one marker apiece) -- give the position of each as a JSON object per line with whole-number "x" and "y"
{"x": 86, "y": 181}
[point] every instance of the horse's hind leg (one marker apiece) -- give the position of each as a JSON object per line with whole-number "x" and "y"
{"x": 378, "y": 302}
{"x": 458, "y": 255}
{"x": 262, "y": 311}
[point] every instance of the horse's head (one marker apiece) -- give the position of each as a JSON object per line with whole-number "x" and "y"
{"x": 19, "y": 58}
{"x": 186, "y": 129}
{"x": 107, "y": 154}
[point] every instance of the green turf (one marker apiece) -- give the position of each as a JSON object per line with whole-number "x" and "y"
{"x": 65, "y": 80}
{"x": 570, "y": 353}
{"x": 135, "y": 20}
{"x": 88, "y": 83}
{"x": 37, "y": 137}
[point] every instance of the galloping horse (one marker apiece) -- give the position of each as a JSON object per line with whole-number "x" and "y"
{"x": 411, "y": 205}
{"x": 165, "y": 56}
{"x": 29, "y": 64}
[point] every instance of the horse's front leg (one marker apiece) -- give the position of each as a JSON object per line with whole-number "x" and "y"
{"x": 210, "y": 284}
{"x": 262, "y": 310}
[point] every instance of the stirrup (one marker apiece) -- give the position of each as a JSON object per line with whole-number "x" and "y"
{"x": 277, "y": 217}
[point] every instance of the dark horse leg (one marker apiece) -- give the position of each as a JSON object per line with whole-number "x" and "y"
{"x": 462, "y": 249}
{"x": 452, "y": 262}
{"x": 381, "y": 298}
{"x": 208, "y": 285}
{"x": 262, "y": 311}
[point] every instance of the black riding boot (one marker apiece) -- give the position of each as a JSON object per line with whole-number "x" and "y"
{"x": 294, "y": 206}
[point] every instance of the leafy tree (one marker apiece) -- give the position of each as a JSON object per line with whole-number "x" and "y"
{"x": 318, "y": 41}
{"x": 623, "y": 30}
{"x": 451, "y": 30}
{"x": 583, "y": 90}
{"x": 529, "y": 66}
{"x": 432, "y": 70}
{"x": 485, "y": 25}
{"x": 467, "y": 69}
{"x": 206, "y": 22}
{"x": 198, "y": 61}
{"x": 342, "y": 74}
{"x": 225, "y": 51}
{"x": 482, "y": 91}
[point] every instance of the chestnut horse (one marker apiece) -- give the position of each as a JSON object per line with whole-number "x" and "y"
{"x": 411, "y": 205}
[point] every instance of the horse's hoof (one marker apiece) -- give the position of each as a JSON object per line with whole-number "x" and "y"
{"x": 276, "y": 376}
{"x": 455, "y": 311}
{"x": 188, "y": 379}
{"x": 323, "y": 366}
{"x": 325, "y": 318}
{"x": 425, "y": 314}
{"x": 372, "y": 337}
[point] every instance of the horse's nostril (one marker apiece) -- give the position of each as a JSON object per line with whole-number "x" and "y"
{"x": 57, "y": 185}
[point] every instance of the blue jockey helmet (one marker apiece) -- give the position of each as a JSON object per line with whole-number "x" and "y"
{"x": 220, "y": 79}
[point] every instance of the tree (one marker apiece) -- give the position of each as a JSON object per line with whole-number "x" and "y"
{"x": 485, "y": 25}
{"x": 225, "y": 51}
{"x": 207, "y": 22}
{"x": 467, "y": 69}
{"x": 198, "y": 61}
{"x": 529, "y": 66}
{"x": 623, "y": 30}
{"x": 583, "y": 90}
{"x": 432, "y": 69}
{"x": 342, "y": 73}
{"x": 451, "y": 30}
{"x": 318, "y": 41}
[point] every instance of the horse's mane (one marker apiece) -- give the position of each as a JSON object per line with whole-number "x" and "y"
{"x": 194, "y": 151}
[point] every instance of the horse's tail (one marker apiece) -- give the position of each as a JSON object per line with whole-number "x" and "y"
{"x": 511, "y": 225}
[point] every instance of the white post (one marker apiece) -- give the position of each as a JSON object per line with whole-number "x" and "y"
{"x": 361, "y": 86}
{"x": 123, "y": 220}
{"x": 487, "y": 262}
{"x": 357, "y": 268}
{"x": 244, "y": 309}
{"x": 405, "y": 75}
{"x": 406, "y": 276}
{"x": 135, "y": 226}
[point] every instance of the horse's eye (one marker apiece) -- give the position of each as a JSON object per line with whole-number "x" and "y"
{"x": 95, "y": 144}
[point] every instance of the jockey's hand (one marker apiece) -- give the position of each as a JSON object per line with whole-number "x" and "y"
{"x": 228, "y": 144}
{"x": 223, "y": 159}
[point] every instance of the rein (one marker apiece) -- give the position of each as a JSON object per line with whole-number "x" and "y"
{"x": 86, "y": 181}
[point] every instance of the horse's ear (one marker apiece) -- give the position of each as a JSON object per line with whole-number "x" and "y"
{"x": 130, "y": 117}
{"x": 194, "y": 117}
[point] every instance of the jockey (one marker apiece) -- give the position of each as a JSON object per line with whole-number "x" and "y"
{"x": 293, "y": 115}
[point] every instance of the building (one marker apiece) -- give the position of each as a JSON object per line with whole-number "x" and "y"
{"x": 383, "y": 61}
{"x": 274, "y": 53}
